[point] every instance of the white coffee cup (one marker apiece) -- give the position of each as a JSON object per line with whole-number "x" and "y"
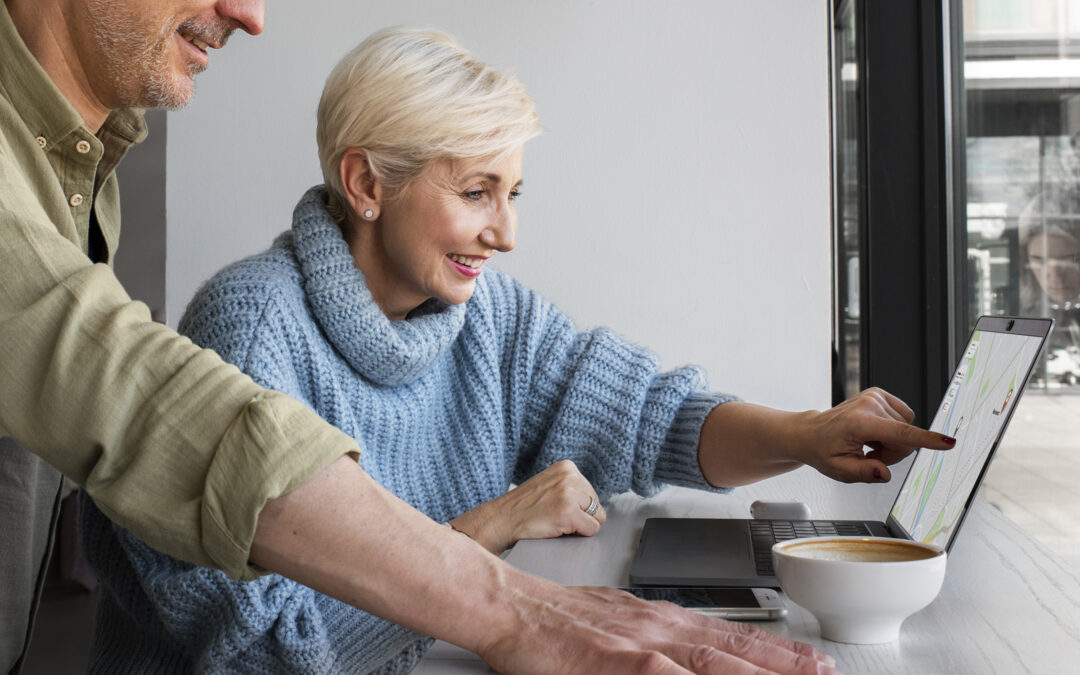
{"x": 860, "y": 589}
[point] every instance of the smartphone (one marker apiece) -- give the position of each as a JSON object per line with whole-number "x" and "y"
{"x": 740, "y": 604}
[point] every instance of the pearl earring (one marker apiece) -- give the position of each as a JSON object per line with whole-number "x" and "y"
{"x": 368, "y": 214}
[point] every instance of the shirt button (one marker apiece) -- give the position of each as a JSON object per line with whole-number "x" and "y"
{"x": 76, "y": 199}
{"x": 83, "y": 147}
{"x": 41, "y": 141}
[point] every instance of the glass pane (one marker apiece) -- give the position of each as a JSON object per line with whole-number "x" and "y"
{"x": 1022, "y": 167}
{"x": 848, "y": 213}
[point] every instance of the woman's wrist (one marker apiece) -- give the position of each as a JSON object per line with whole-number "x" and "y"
{"x": 451, "y": 525}
{"x": 481, "y": 525}
{"x": 796, "y": 435}
{"x": 743, "y": 443}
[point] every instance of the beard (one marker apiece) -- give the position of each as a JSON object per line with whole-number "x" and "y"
{"x": 136, "y": 57}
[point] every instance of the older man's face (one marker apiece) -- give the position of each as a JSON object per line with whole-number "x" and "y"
{"x": 146, "y": 53}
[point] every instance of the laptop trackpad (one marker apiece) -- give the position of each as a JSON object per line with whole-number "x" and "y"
{"x": 693, "y": 552}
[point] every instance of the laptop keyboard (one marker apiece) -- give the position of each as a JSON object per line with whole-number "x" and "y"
{"x": 765, "y": 533}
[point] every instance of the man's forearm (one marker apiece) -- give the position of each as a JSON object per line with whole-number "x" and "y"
{"x": 346, "y": 536}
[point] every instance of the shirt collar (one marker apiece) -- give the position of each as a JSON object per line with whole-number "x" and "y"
{"x": 44, "y": 109}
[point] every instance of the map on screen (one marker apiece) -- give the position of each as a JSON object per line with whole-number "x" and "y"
{"x": 976, "y": 405}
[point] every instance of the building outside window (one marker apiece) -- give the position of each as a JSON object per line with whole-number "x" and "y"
{"x": 1021, "y": 173}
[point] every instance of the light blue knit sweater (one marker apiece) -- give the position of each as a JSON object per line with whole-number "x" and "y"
{"x": 450, "y": 407}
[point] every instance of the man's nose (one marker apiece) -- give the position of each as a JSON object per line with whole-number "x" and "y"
{"x": 248, "y": 15}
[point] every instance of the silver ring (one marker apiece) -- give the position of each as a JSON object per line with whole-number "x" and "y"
{"x": 593, "y": 506}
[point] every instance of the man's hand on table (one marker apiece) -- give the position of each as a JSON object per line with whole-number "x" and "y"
{"x": 591, "y": 630}
{"x": 345, "y": 535}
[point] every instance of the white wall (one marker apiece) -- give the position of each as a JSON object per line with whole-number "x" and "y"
{"x": 140, "y": 260}
{"x": 680, "y": 193}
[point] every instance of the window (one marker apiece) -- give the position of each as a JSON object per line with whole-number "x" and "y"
{"x": 957, "y": 193}
{"x": 1020, "y": 236}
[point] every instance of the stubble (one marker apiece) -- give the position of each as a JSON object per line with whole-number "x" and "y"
{"x": 137, "y": 57}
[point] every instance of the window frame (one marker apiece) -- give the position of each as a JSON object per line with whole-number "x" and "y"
{"x": 908, "y": 256}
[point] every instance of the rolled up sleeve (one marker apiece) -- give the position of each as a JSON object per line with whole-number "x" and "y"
{"x": 169, "y": 440}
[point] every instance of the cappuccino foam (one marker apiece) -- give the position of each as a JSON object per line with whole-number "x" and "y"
{"x": 859, "y": 550}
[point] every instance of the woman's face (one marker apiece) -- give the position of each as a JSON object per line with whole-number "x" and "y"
{"x": 1055, "y": 261}
{"x": 433, "y": 241}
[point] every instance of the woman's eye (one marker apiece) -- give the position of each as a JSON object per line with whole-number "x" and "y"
{"x": 514, "y": 194}
{"x": 473, "y": 195}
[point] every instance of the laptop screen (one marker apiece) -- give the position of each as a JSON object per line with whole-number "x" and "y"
{"x": 976, "y": 407}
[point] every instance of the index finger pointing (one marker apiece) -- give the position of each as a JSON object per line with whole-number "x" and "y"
{"x": 894, "y": 432}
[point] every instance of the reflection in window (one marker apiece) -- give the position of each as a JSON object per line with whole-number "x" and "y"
{"x": 1022, "y": 83}
{"x": 1049, "y": 235}
{"x": 1022, "y": 76}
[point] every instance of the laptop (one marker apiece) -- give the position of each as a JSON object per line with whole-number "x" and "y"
{"x": 933, "y": 500}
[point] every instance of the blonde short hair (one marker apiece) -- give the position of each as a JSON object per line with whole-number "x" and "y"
{"x": 412, "y": 96}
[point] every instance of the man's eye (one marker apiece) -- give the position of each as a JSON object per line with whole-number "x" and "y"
{"x": 514, "y": 194}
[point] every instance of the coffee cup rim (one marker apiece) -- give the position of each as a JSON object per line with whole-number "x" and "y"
{"x": 781, "y": 548}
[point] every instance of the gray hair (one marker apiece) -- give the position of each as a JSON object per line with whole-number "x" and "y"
{"x": 409, "y": 97}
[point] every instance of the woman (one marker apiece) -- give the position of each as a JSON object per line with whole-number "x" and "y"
{"x": 378, "y": 310}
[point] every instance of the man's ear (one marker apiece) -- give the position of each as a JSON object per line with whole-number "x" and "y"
{"x": 362, "y": 191}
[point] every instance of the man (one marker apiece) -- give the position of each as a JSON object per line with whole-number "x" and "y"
{"x": 87, "y": 382}
{"x": 185, "y": 451}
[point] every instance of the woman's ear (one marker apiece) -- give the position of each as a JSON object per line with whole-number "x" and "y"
{"x": 362, "y": 191}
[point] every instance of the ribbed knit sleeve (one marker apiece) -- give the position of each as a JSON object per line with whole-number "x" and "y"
{"x": 678, "y": 460}
{"x": 594, "y": 398}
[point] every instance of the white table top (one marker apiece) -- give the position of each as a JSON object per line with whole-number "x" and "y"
{"x": 1006, "y": 606}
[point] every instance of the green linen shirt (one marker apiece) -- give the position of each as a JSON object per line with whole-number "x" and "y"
{"x": 169, "y": 440}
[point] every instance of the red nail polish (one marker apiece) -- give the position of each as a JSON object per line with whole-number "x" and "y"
{"x": 877, "y": 474}
{"x": 949, "y": 439}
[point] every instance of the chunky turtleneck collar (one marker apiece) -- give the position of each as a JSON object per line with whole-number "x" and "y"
{"x": 384, "y": 351}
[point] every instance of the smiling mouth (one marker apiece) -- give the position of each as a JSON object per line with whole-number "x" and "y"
{"x": 200, "y": 44}
{"x": 466, "y": 260}
{"x": 468, "y": 266}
